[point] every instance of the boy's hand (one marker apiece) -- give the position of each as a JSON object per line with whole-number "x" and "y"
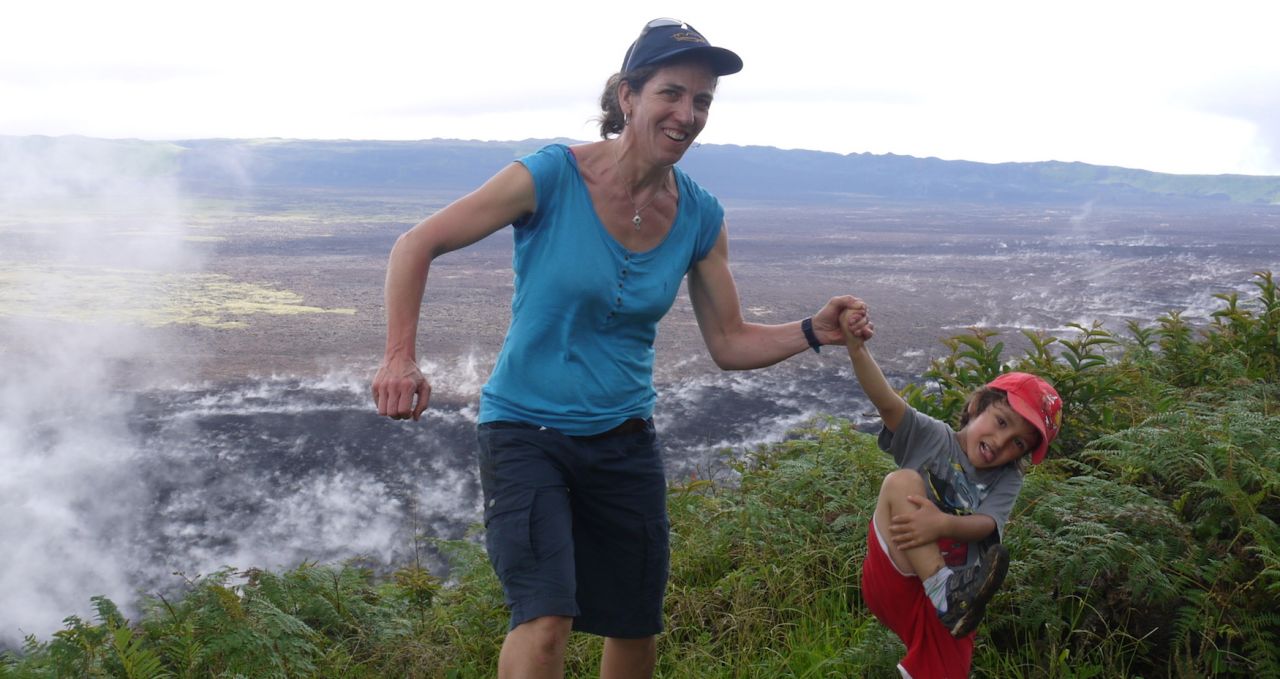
{"x": 830, "y": 324}
{"x": 920, "y": 527}
{"x": 855, "y": 323}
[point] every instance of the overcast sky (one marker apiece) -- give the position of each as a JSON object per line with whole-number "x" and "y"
{"x": 1173, "y": 86}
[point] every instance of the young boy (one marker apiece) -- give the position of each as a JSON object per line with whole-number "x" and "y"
{"x": 934, "y": 557}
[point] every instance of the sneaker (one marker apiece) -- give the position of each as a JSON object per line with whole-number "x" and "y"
{"x": 969, "y": 590}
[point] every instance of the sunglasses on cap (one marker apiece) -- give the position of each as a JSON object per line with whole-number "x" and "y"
{"x": 661, "y": 22}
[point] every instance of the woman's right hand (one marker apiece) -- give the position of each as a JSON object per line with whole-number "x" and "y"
{"x": 399, "y": 389}
{"x": 395, "y": 387}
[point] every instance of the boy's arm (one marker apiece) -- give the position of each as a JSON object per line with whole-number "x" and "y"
{"x": 888, "y": 403}
{"x": 970, "y": 528}
{"x": 927, "y": 524}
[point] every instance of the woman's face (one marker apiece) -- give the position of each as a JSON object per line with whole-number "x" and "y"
{"x": 667, "y": 115}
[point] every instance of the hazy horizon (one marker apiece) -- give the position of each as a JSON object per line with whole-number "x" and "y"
{"x": 1274, "y": 173}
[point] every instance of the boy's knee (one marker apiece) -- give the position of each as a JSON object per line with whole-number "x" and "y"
{"x": 902, "y": 482}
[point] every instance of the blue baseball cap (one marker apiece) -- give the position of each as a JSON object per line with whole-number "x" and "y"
{"x": 663, "y": 39}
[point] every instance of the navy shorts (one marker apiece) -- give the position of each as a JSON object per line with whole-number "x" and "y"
{"x": 577, "y": 526}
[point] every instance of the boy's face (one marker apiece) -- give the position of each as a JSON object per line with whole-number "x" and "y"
{"x": 997, "y": 436}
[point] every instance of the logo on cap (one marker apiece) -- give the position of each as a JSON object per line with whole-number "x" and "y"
{"x": 688, "y": 37}
{"x": 1052, "y": 411}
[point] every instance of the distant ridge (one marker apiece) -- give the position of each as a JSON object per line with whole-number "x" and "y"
{"x": 741, "y": 172}
{"x": 766, "y": 170}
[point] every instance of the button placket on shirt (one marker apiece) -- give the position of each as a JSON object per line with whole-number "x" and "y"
{"x": 622, "y": 276}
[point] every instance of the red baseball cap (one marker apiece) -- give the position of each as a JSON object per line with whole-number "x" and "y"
{"x": 1036, "y": 401}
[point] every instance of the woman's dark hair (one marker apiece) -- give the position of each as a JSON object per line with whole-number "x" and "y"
{"x": 611, "y": 119}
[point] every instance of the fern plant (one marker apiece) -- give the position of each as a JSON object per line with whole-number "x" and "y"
{"x": 972, "y": 362}
{"x": 133, "y": 659}
{"x": 1216, "y": 462}
{"x": 1249, "y": 329}
{"x": 1080, "y": 368}
{"x": 1084, "y": 376}
{"x": 1088, "y": 574}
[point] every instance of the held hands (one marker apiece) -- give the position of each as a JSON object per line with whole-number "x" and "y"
{"x": 844, "y": 320}
{"x": 923, "y": 526}
{"x": 394, "y": 387}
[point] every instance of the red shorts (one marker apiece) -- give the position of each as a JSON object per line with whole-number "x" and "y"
{"x": 899, "y": 601}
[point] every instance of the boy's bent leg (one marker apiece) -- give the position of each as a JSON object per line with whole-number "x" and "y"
{"x": 969, "y": 591}
{"x": 924, "y": 560}
{"x": 628, "y": 658}
{"x": 898, "y": 600}
{"x": 535, "y": 649}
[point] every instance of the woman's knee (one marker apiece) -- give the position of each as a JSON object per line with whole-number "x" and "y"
{"x": 628, "y": 657}
{"x": 535, "y": 648}
{"x": 547, "y": 634}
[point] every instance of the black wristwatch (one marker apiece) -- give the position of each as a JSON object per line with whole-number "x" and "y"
{"x": 806, "y": 326}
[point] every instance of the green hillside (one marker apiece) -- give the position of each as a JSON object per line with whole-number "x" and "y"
{"x": 1145, "y": 546}
{"x": 1225, "y": 187}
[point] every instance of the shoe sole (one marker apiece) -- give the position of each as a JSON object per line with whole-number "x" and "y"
{"x": 995, "y": 577}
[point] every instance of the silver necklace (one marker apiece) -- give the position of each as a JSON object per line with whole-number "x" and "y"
{"x": 636, "y": 219}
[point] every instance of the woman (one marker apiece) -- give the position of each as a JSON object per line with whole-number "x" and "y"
{"x": 574, "y": 493}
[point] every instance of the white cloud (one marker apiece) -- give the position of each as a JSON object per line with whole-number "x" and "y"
{"x": 1102, "y": 82}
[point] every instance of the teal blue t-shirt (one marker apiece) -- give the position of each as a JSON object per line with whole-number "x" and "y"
{"x": 578, "y": 356}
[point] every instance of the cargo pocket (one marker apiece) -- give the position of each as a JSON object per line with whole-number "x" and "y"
{"x": 506, "y": 537}
{"x": 657, "y": 558}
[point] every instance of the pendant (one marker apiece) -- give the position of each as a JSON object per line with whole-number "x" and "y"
{"x": 636, "y": 220}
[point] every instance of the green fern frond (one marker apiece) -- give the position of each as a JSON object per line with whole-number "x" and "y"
{"x": 135, "y": 659}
